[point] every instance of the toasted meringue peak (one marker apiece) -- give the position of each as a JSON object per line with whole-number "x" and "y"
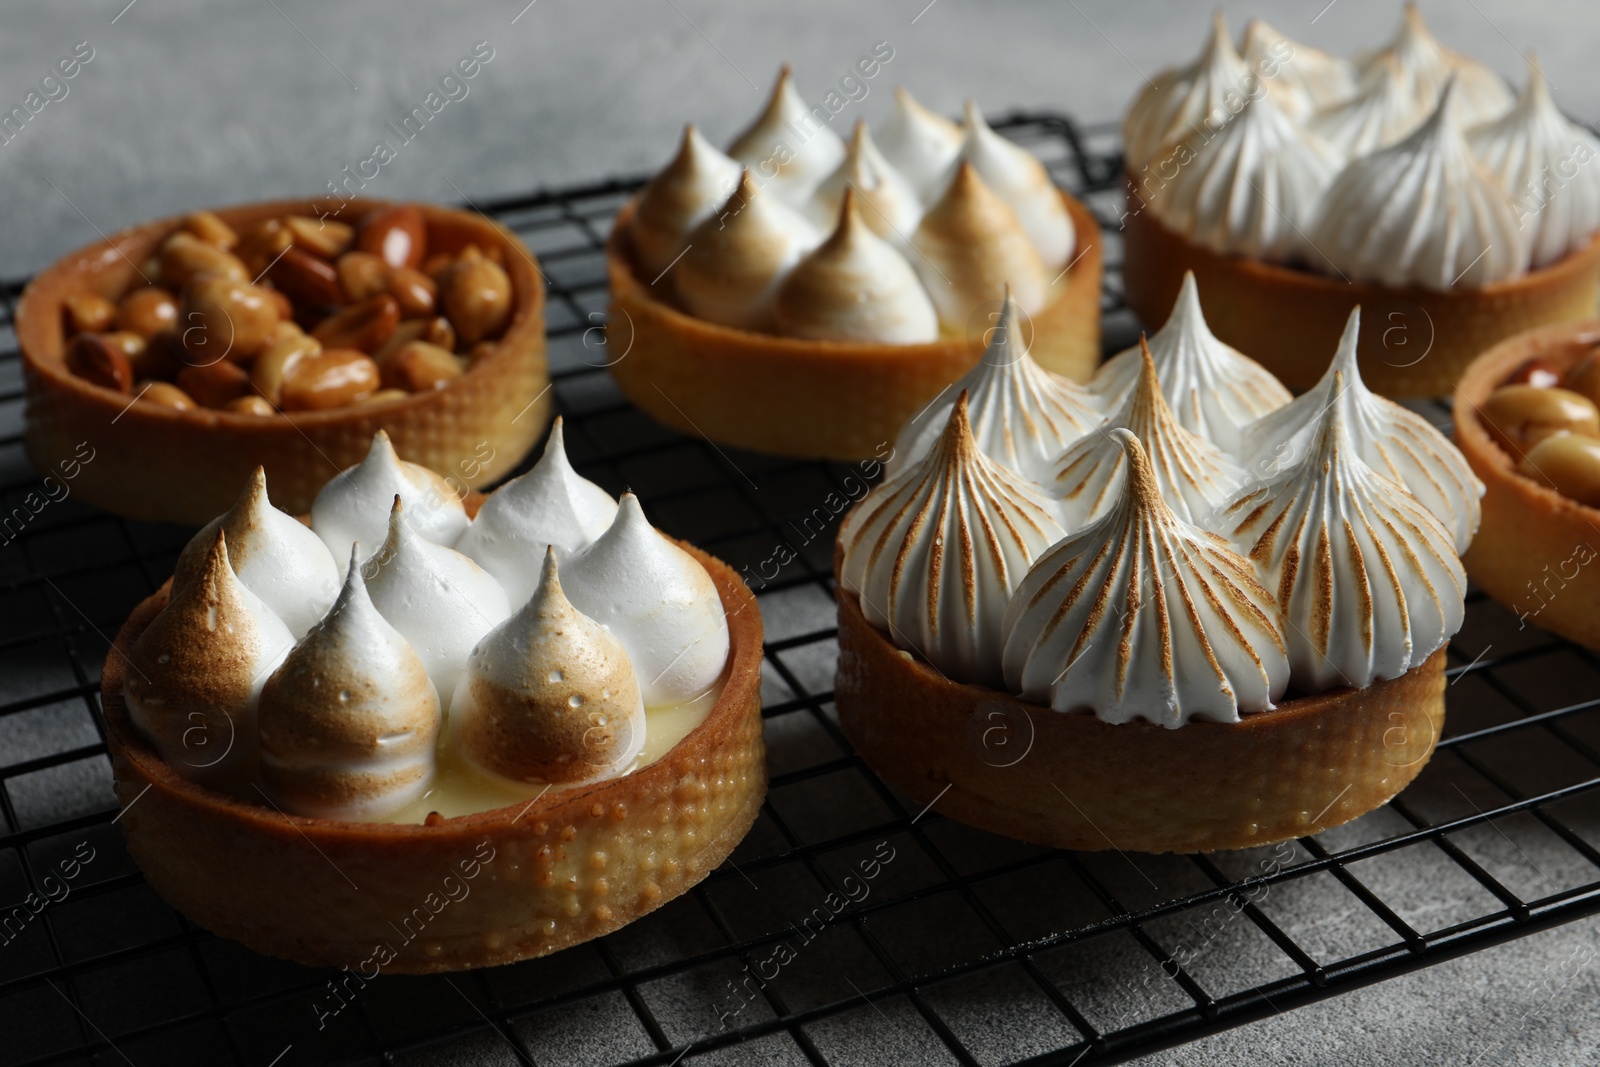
{"x": 1383, "y": 110}
{"x": 1194, "y": 476}
{"x": 1425, "y": 65}
{"x": 1182, "y": 100}
{"x": 349, "y": 722}
{"x": 658, "y": 601}
{"x": 1367, "y": 582}
{"x": 354, "y": 505}
{"x": 855, "y": 287}
{"x": 1544, "y": 161}
{"x": 195, "y": 675}
{"x": 550, "y": 505}
{"x": 1253, "y": 188}
{"x": 549, "y": 695}
{"x": 1215, "y": 390}
{"x": 275, "y": 555}
{"x": 1422, "y": 212}
{"x": 918, "y": 143}
{"x": 1017, "y": 177}
{"x": 1021, "y": 415}
{"x": 440, "y": 601}
{"x": 887, "y": 201}
{"x": 970, "y": 248}
{"x": 789, "y": 148}
{"x": 1141, "y": 615}
{"x": 1301, "y": 79}
{"x": 738, "y": 257}
{"x": 935, "y": 552}
{"x": 691, "y": 188}
{"x": 1397, "y": 443}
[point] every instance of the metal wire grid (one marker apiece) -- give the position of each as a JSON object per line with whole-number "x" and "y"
{"x": 960, "y": 947}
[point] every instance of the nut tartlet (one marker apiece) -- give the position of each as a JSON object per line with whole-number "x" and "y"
{"x": 184, "y": 463}
{"x": 810, "y": 305}
{"x": 359, "y": 815}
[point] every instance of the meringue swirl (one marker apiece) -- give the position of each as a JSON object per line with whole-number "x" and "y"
{"x": 790, "y": 148}
{"x": 1173, "y": 106}
{"x": 691, "y": 188}
{"x": 738, "y": 257}
{"x": 887, "y": 201}
{"x": 354, "y": 505}
{"x": 919, "y": 144}
{"x": 1017, "y": 177}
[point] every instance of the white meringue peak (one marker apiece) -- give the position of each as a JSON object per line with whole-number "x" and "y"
{"x": 1142, "y": 616}
{"x": 790, "y": 148}
{"x": 1021, "y": 415}
{"x": 1383, "y": 111}
{"x": 350, "y": 721}
{"x": 1368, "y": 584}
{"x": 1183, "y": 101}
{"x": 1215, "y": 390}
{"x": 1424, "y": 66}
{"x": 1193, "y": 476}
{"x": 1301, "y": 79}
{"x": 887, "y": 201}
{"x": 551, "y": 504}
{"x": 1548, "y": 165}
{"x": 195, "y": 675}
{"x": 1017, "y": 177}
{"x": 737, "y": 258}
{"x": 919, "y": 144}
{"x": 439, "y": 600}
{"x": 354, "y": 505}
{"x": 1397, "y": 443}
{"x": 549, "y": 695}
{"x": 276, "y": 556}
{"x": 855, "y": 287}
{"x": 936, "y": 552}
{"x": 688, "y": 191}
{"x": 658, "y": 601}
{"x": 1422, "y": 212}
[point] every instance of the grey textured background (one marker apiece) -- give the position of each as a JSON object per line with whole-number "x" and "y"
{"x": 188, "y": 102}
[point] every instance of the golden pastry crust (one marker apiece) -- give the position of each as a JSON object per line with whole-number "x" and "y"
{"x": 816, "y": 399}
{"x": 155, "y": 462}
{"x": 1072, "y": 781}
{"x": 1414, "y": 342}
{"x": 1535, "y": 551}
{"x": 555, "y": 872}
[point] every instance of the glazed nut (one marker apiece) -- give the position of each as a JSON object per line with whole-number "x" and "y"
{"x": 362, "y": 274}
{"x": 211, "y": 229}
{"x": 225, "y": 318}
{"x": 418, "y": 367}
{"x": 306, "y": 279}
{"x": 89, "y": 313}
{"x": 250, "y": 405}
{"x": 1520, "y": 415}
{"x": 1569, "y": 463}
{"x": 96, "y": 360}
{"x": 183, "y": 255}
{"x": 278, "y": 361}
{"x": 384, "y": 396}
{"x": 399, "y": 234}
{"x": 147, "y": 311}
{"x": 1584, "y": 378}
{"x": 214, "y": 384}
{"x": 414, "y": 291}
{"x": 263, "y": 244}
{"x": 334, "y": 378}
{"x": 159, "y": 358}
{"x": 328, "y": 238}
{"x": 166, "y": 395}
{"x": 441, "y": 333}
{"x": 437, "y": 264}
{"x": 1537, "y": 371}
{"x": 476, "y": 297}
{"x": 365, "y": 326}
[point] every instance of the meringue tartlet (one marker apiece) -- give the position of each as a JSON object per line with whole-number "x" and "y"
{"x": 809, "y": 298}
{"x": 1410, "y": 181}
{"x": 420, "y": 765}
{"x": 1215, "y": 617}
{"x": 161, "y": 454}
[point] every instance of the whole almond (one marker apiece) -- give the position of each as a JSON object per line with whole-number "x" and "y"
{"x": 399, "y": 234}
{"x": 333, "y": 378}
{"x": 414, "y": 291}
{"x": 365, "y": 326}
{"x": 306, "y": 279}
{"x": 214, "y": 384}
{"x": 94, "y": 359}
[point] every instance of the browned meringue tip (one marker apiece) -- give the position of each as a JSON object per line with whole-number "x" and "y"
{"x": 849, "y": 223}
{"x": 1141, "y": 483}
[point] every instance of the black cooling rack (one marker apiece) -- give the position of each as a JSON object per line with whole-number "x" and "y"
{"x": 961, "y": 948}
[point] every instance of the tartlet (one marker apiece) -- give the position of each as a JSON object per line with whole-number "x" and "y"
{"x": 160, "y": 463}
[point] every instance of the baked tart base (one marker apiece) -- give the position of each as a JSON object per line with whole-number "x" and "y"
{"x": 816, "y": 399}
{"x": 156, "y": 463}
{"x": 1414, "y": 342}
{"x": 1535, "y": 548}
{"x": 1069, "y": 780}
{"x": 474, "y": 891}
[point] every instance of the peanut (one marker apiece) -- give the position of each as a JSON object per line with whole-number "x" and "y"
{"x": 250, "y": 405}
{"x": 418, "y": 367}
{"x": 278, "y": 361}
{"x": 333, "y": 378}
{"x": 476, "y": 296}
{"x": 147, "y": 311}
{"x": 1518, "y": 416}
{"x": 166, "y": 395}
{"x": 89, "y": 313}
{"x": 183, "y": 255}
{"x": 366, "y": 325}
{"x": 328, "y": 238}
{"x": 362, "y": 274}
{"x": 224, "y": 318}
{"x": 262, "y": 244}
{"x": 211, "y": 229}
{"x": 414, "y": 291}
{"x": 1584, "y": 378}
{"x": 1569, "y": 463}
{"x": 384, "y": 396}
{"x": 214, "y": 384}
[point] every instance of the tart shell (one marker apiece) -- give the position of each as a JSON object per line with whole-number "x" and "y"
{"x": 816, "y": 399}
{"x": 1070, "y": 780}
{"x": 156, "y": 463}
{"x": 488, "y": 888}
{"x": 1535, "y": 550}
{"x": 1414, "y": 341}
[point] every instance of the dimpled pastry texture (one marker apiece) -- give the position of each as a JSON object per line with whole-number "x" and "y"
{"x": 1368, "y": 583}
{"x": 276, "y": 557}
{"x": 1017, "y": 177}
{"x": 552, "y": 504}
{"x": 440, "y": 600}
{"x": 1301, "y": 79}
{"x": 354, "y": 505}
{"x": 739, "y": 256}
{"x": 1181, "y": 99}
{"x": 1141, "y": 615}
{"x": 688, "y": 191}
{"x": 658, "y": 601}
{"x": 886, "y": 199}
{"x": 1214, "y": 390}
{"x": 1424, "y": 65}
{"x": 787, "y": 149}
{"x": 1397, "y": 443}
{"x": 919, "y": 144}
{"x": 349, "y": 721}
